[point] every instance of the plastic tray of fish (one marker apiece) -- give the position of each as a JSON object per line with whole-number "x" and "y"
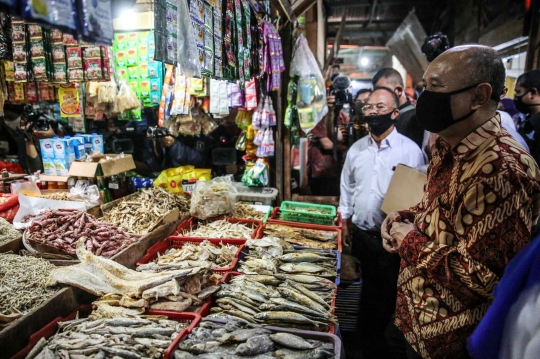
{"x": 205, "y": 309}
{"x": 275, "y": 217}
{"x": 193, "y": 223}
{"x": 192, "y": 319}
{"x": 178, "y": 242}
{"x": 295, "y": 344}
{"x": 293, "y": 225}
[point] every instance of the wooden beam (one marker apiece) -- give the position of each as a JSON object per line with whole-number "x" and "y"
{"x": 531, "y": 61}
{"x": 284, "y": 7}
{"x": 301, "y": 6}
{"x": 335, "y": 47}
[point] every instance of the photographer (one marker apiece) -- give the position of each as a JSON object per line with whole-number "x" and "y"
{"x": 26, "y": 128}
{"x": 164, "y": 151}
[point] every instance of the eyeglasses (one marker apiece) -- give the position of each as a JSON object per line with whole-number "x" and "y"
{"x": 379, "y": 108}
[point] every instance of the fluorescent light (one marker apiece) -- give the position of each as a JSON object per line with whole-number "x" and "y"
{"x": 364, "y": 61}
{"x": 128, "y": 19}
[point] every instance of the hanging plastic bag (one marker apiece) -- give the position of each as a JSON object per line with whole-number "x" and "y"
{"x": 213, "y": 198}
{"x": 127, "y": 99}
{"x": 88, "y": 193}
{"x": 311, "y": 99}
{"x": 257, "y": 176}
{"x": 188, "y": 55}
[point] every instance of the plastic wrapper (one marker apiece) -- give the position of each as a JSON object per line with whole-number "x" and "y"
{"x": 25, "y": 187}
{"x": 257, "y": 175}
{"x": 188, "y": 55}
{"x": 311, "y": 98}
{"x": 213, "y": 198}
{"x": 88, "y": 193}
{"x": 127, "y": 98}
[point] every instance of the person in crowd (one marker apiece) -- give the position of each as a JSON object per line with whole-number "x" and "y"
{"x": 406, "y": 123}
{"x": 365, "y": 178}
{"x": 527, "y": 101}
{"x": 360, "y": 127}
{"x": 411, "y": 95}
{"x": 480, "y": 203}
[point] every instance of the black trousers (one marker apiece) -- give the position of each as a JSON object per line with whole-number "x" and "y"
{"x": 380, "y": 271}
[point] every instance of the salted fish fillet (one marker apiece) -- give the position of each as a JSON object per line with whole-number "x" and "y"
{"x": 100, "y": 276}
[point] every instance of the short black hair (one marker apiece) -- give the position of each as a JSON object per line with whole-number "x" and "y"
{"x": 529, "y": 80}
{"x": 391, "y": 75}
{"x": 361, "y": 91}
{"x": 394, "y": 95}
{"x": 485, "y": 66}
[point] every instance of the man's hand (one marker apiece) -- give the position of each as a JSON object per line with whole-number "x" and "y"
{"x": 43, "y": 134}
{"x": 331, "y": 100}
{"x": 399, "y": 231}
{"x": 345, "y": 232}
{"x": 387, "y": 224}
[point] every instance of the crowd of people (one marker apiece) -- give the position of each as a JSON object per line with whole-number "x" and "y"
{"x": 429, "y": 272}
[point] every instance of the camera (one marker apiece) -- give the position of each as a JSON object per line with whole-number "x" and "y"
{"x": 340, "y": 90}
{"x": 37, "y": 119}
{"x": 157, "y": 132}
{"x": 435, "y": 45}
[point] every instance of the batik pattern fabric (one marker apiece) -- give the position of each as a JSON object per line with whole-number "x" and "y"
{"x": 481, "y": 200}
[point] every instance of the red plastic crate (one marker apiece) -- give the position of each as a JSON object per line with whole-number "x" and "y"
{"x": 260, "y": 233}
{"x": 179, "y": 242}
{"x": 274, "y": 218}
{"x": 205, "y": 309}
{"x": 193, "y": 223}
{"x": 50, "y": 329}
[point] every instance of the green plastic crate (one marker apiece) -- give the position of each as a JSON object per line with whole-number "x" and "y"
{"x": 300, "y": 212}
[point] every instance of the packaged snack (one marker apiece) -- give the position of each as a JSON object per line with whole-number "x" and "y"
{"x": 39, "y": 68}
{"x": 121, "y": 58}
{"x": 132, "y": 39}
{"x": 153, "y": 69}
{"x": 142, "y": 51}
{"x": 69, "y": 40}
{"x": 144, "y": 88}
{"x": 56, "y": 36}
{"x": 34, "y": 30}
{"x": 93, "y": 52}
{"x": 19, "y": 53}
{"x": 133, "y": 72}
{"x": 122, "y": 73}
{"x": 144, "y": 37}
{"x": 60, "y": 73}
{"x": 36, "y": 47}
{"x": 131, "y": 55}
{"x": 68, "y": 96}
{"x": 93, "y": 69}
{"x": 31, "y": 92}
{"x": 18, "y": 91}
{"x": 9, "y": 67}
{"x": 74, "y": 57}
{"x": 75, "y": 75}
{"x": 59, "y": 53}
{"x": 120, "y": 40}
{"x": 154, "y": 85}
{"x": 20, "y": 74}
{"x": 96, "y": 20}
{"x": 17, "y": 33}
{"x": 143, "y": 70}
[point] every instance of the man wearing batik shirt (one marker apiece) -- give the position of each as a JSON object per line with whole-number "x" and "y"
{"x": 481, "y": 201}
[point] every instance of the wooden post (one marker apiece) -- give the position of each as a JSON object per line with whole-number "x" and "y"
{"x": 532, "y": 59}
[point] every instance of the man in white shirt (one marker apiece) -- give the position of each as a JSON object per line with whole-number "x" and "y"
{"x": 365, "y": 178}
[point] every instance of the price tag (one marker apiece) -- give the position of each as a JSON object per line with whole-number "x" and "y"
{"x": 188, "y": 188}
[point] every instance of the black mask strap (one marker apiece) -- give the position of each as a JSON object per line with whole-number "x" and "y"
{"x": 463, "y": 89}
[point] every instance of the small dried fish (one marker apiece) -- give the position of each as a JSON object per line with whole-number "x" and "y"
{"x": 139, "y": 213}
{"x": 22, "y": 283}
{"x": 221, "y": 229}
{"x": 7, "y": 231}
{"x": 62, "y": 196}
{"x": 246, "y": 211}
{"x": 303, "y": 237}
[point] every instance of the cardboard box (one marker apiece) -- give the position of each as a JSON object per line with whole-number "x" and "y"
{"x": 406, "y": 189}
{"x": 92, "y": 169}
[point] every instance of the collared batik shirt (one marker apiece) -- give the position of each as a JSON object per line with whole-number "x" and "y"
{"x": 481, "y": 200}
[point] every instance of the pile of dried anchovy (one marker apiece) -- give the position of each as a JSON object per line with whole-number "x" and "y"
{"x": 7, "y": 231}
{"x": 22, "y": 283}
{"x": 61, "y": 196}
{"x": 63, "y": 228}
{"x": 140, "y": 213}
{"x": 246, "y": 211}
{"x": 221, "y": 229}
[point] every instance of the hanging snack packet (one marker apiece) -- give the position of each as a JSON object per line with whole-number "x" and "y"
{"x": 251, "y": 95}
{"x": 56, "y": 13}
{"x": 96, "y": 21}
{"x": 271, "y": 113}
{"x": 264, "y": 114}
{"x": 259, "y": 138}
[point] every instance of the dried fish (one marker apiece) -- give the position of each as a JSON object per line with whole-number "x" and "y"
{"x": 237, "y": 339}
{"x": 221, "y": 229}
{"x": 22, "y": 283}
{"x": 204, "y": 254}
{"x": 140, "y": 336}
{"x": 7, "y": 231}
{"x": 303, "y": 237}
{"x": 246, "y": 211}
{"x": 140, "y": 213}
{"x": 62, "y": 196}
{"x": 62, "y": 229}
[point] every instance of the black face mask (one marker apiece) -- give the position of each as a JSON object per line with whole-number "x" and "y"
{"x": 434, "y": 110}
{"x": 520, "y": 105}
{"x": 378, "y": 124}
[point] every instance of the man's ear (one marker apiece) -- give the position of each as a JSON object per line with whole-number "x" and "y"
{"x": 395, "y": 114}
{"x": 399, "y": 91}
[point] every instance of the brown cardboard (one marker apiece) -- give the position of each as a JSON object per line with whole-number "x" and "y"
{"x": 406, "y": 189}
{"x": 109, "y": 168}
